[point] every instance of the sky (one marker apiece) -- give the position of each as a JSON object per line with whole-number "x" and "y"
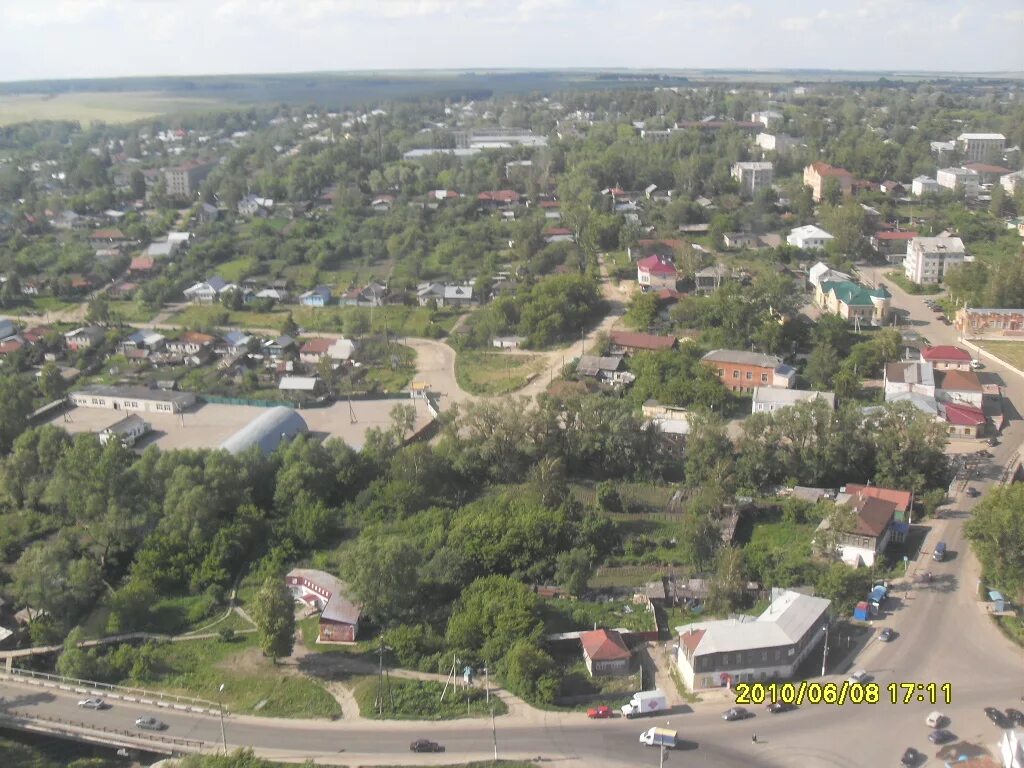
{"x": 44, "y": 39}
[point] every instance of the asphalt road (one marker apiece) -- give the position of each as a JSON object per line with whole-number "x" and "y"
{"x": 943, "y": 637}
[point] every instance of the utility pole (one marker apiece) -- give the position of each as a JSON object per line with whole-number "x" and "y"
{"x": 494, "y": 735}
{"x": 223, "y": 736}
{"x": 824, "y": 652}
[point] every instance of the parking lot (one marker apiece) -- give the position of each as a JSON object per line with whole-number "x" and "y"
{"x": 209, "y": 424}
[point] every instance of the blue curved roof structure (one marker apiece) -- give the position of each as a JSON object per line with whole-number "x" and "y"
{"x": 268, "y": 430}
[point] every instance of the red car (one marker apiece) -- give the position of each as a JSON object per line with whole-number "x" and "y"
{"x": 599, "y": 713}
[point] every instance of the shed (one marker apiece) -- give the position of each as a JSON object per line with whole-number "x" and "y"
{"x": 997, "y": 600}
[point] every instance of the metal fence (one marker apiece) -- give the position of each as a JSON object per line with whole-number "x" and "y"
{"x": 131, "y": 738}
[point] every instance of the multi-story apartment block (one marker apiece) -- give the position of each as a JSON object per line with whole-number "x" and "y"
{"x": 929, "y": 258}
{"x": 962, "y": 180}
{"x": 981, "y": 147}
{"x": 753, "y": 177}
{"x": 183, "y": 180}
{"x": 776, "y": 142}
{"x": 816, "y": 175}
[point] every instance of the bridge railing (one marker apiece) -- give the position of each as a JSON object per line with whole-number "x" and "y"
{"x": 124, "y": 693}
{"x": 131, "y": 738}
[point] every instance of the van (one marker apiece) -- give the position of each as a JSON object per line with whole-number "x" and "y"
{"x": 935, "y": 720}
{"x": 939, "y": 553}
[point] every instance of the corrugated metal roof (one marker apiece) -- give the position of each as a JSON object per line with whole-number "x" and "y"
{"x": 268, "y": 430}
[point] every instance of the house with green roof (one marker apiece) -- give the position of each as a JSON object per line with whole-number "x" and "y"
{"x": 854, "y": 302}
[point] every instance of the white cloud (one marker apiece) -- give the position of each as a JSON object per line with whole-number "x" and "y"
{"x": 44, "y": 14}
{"x": 796, "y": 23}
{"x": 958, "y": 19}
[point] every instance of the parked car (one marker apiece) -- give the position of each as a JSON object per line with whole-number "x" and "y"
{"x": 737, "y": 713}
{"x": 150, "y": 724}
{"x": 780, "y": 706}
{"x": 92, "y": 704}
{"x": 599, "y": 713}
{"x": 859, "y": 677}
{"x": 911, "y": 757}
{"x": 972, "y": 492}
{"x": 425, "y": 745}
{"x": 936, "y": 720}
{"x": 1015, "y": 716}
{"x": 940, "y": 736}
{"x": 993, "y": 442}
{"x": 887, "y": 635}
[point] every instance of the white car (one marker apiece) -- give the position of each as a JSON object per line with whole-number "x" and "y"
{"x": 150, "y": 724}
{"x": 859, "y": 677}
{"x": 92, "y": 704}
{"x": 976, "y": 364}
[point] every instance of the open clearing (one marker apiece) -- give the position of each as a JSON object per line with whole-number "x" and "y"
{"x": 496, "y": 373}
{"x": 91, "y": 107}
{"x": 1010, "y": 351}
{"x": 210, "y": 424}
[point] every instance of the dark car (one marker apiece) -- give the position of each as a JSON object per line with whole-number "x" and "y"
{"x": 425, "y": 745}
{"x": 911, "y": 757}
{"x": 150, "y": 724}
{"x": 940, "y": 736}
{"x": 887, "y": 635}
{"x": 993, "y": 441}
{"x": 737, "y": 713}
{"x": 973, "y": 492}
{"x": 1015, "y": 716}
{"x": 997, "y": 717}
{"x": 780, "y": 706}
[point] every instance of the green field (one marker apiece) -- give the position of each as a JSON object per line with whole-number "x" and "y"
{"x": 88, "y": 107}
{"x": 1010, "y": 351}
{"x": 495, "y": 373}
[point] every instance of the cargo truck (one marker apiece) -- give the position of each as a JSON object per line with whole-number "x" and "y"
{"x": 659, "y": 737}
{"x": 645, "y": 703}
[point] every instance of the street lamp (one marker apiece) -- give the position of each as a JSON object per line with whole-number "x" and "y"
{"x": 824, "y": 651}
{"x": 223, "y": 736}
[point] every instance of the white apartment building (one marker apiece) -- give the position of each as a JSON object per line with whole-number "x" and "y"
{"x": 928, "y": 258}
{"x": 753, "y": 177}
{"x": 776, "y": 142}
{"x": 924, "y": 185}
{"x": 958, "y": 179}
{"x": 981, "y": 147}
{"x": 1011, "y": 182}
{"x": 767, "y": 118}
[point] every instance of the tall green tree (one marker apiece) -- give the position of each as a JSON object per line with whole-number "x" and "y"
{"x": 996, "y": 529}
{"x": 273, "y": 611}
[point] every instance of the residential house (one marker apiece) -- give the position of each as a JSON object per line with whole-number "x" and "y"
{"x": 957, "y": 386}
{"x": 908, "y": 377}
{"x": 501, "y": 198}
{"x": 99, "y": 236}
{"x": 744, "y": 649}
{"x": 313, "y": 350}
{"x": 311, "y": 385}
{"x": 11, "y": 344}
{"x": 771, "y": 399}
{"x": 741, "y": 371}
{"x": 128, "y": 430}
{"x": 142, "y": 339}
{"x": 191, "y": 343}
{"x": 427, "y": 292}
{"x": 740, "y": 240}
{"x": 975, "y": 322}
{"x": 280, "y": 346}
{"x": 208, "y": 213}
{"x": 274, "y": 294}
{"x": 892, "y": 245}
{"x": 370, "y": 295}
{"x": 558, "y": 235}
{"x": 947, "y": 358}
{"x": 822, "y": 273}
{"x": 608, "y": 369}
{"x": 1011, "y": 182}
{"x": 458, "y": 295}
{"x": 233, "y": 343}
{"x": 316, "y": 297}
{"x": 7, "y": 328}
{"x": 753, "y": 176}
{"x": 986, "y": 172}
{"x": 809, "y": 238}
{"x": 628, "y": 341}
{"x": 339, "y": 615}
{"x": 84, "y": 338}
{"x": 817, "y": 176}
{"x": 964, "y": 419}
{"x": 767, "y": 117}
{"x": 981, "y": 147}
{"x": 710, "y": 279}
{"x": 656, "y": 272}
{"x": 342, "y": 350}
{"x": 871, "y": 532}
{"x": 902, "y": 501}
{"x": 142, "y": 266}
{"x": 255, "y": 206}
{"x": 507, "y": 342}
{"x": 777, "y": 142}
{"x": 854, "y": 302}
{"x": 604, "y": 653}
{"x": 382, "y": 203}
{"x": 207, "y": 291}
{"x": 889, "y": 187}
{"x": 928, "y": 258}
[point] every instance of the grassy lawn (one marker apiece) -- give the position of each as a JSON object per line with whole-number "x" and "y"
{"x": 131, "y": 312}
{"x": 922, "y": 290}
{"x": 495, "y": 373}
{"x": 571, "y": 615}
{"x": 234, "y": 270}
{"x": 577, "y": 681}
{"x": 211, "y": 315}
{"x": 252, "y": 683}
{"x": 1010, "y": 351}
{"x": 642, "y": 496}
{"x": 421, "y": 700}
{"x": 397, "y": 320}
{"x": 1012, "y": 627}
{"x": 39, "y": 305}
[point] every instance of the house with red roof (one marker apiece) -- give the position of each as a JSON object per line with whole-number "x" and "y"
{"x": 629, "y": 341}
{"x": 964, "y": 420}
{"x": 500, "y": 198}
{"x": 605, "y": 653}
{"x": 946, "y": 357}
{"x": 339, "y": 615}
{"x": 107, "y": 236}
{"x": 656, "y": 272}
{"x": 559, "y": 235}
{"x": 956, "y": 386}
{"x": 817, "y": 175}
{"x": 892, "y": 244}
{"x": 901, "y": 500}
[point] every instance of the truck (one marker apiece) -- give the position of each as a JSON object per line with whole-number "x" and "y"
{"x": 659, "y": 737}
{"x": 878, "y": 595}
{"x": 645, "y": 703}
